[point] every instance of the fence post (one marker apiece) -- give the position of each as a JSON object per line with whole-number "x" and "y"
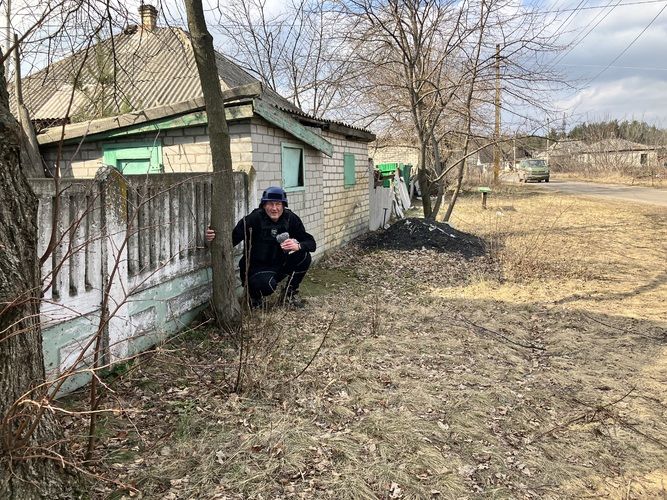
{"x": 114, "y": 238}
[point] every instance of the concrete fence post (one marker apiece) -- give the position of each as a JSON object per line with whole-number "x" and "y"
{"x": 114, "y": 239}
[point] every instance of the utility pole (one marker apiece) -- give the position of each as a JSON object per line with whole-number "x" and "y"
{"x": 496, "y": 134}
{"x": 8, "y": 37}
{"x": 547, "y": 142}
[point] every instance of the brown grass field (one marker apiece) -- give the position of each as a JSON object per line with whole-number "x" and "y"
{"x": 537, "y": 371}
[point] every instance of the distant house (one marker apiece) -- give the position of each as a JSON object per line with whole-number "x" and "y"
{"x": 618, "y": 154}
{"x": 152, "y": 120}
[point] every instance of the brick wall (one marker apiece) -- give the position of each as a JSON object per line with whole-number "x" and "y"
{"x": 394, "y": 154}
{"x": 345, "y": 207}
{"x": 183, "y": 150}
{"x": 331, "y": 212}
{"x": 267, "y": 161}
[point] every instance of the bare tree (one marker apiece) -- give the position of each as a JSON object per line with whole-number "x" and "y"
{"x": 431, "y": 73}
{"x": 300, "y": 51}
{"x": 411, "y": 50}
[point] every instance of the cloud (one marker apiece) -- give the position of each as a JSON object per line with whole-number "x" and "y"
{"x": 636, "y": 97}
{"x": 630, "y": 87}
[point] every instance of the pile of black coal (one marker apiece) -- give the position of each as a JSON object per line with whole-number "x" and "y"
{"x": 416, "y": 234}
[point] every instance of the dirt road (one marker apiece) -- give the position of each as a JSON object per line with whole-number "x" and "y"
{"x": 612, "y": 191}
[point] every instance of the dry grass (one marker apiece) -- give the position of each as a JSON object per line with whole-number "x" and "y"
{"x": 538, "y": 372}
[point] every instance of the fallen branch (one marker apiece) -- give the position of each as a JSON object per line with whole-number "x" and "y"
{"x": 603, "y": 411}
{"x": 324, "y": 338}
{"x": 504, "y": 337}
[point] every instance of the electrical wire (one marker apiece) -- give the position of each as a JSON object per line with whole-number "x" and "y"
{"x": 629, "y": 45}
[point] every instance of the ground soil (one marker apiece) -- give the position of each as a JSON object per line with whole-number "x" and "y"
{"x": 419, "y": 234}
{"x": 536, "y": 368}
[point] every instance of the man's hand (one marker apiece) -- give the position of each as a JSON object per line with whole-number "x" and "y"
{"x": 290, "y": 245}
{"x": 209, "y": 234}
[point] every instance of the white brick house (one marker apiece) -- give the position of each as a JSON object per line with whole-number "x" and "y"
{"x": 322, "y": 164}
{"x": 324, "y": 171}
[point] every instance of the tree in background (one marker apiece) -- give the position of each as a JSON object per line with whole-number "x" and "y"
{"x": 629, "y": 130}
{"x": 431, "y": 70}
{"x": 301, "y": 52}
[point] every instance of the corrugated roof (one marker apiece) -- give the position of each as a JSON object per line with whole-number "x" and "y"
{"x": 611, "y": 145}
{"x": 152, "y": 68}
{"x": 296, "y": 111}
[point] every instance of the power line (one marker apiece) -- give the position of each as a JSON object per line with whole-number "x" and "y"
{"x": 593, "y": 7}
{"x": 640, "y": 68}
{"x": 578, "y": 38}
{"x": 629, "y": 45}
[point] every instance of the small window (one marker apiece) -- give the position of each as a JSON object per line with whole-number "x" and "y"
{"x": 643, "y": 158}
{"x": 134, "y": 158}
{"x": 349, "y": 176}
{"x": 292, "y": 158}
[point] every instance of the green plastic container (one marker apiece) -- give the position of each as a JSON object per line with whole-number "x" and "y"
{"x": 387, "y": 170}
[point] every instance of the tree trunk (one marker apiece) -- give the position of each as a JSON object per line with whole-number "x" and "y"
{"x": 23, "y": 434}
{"x": 423, "y": 179}
{"x": 440, "y": 183}
{"x": 225, "y": 304}
{"x": 457, "y": 189}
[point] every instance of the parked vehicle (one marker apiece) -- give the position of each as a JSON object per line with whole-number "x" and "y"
{"x": 533, "y": 170}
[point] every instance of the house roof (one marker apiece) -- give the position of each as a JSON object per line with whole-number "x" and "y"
{"x": 154, "y": 70}
{"x": 616, "y": 145}
{"x": 240, "y": 103}
{"x": 133, "y": 70}
{"x": 568, "y": 147}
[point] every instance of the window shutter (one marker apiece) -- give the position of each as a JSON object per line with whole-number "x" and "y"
{"x": 349, "y": 172}
{"x": 292, "y": 159}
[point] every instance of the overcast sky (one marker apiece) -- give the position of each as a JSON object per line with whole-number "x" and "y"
{"x": 634, "y": 85}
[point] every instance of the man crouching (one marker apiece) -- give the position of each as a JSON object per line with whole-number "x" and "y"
{"x": 276, "y": 246}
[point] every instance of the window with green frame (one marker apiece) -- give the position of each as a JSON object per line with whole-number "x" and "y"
{"x": 135, "y": 158}
{"x": 349, "y": 172}
{"x": 292, "y": 166}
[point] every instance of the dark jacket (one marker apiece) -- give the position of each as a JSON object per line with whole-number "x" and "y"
{"x": 258, "y": 229}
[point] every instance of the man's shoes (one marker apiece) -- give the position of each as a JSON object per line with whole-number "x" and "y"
{"x": 293, "y": 300}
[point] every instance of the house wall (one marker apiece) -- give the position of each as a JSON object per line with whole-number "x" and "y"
{"x": 619, "y": 159}
{"x": 346, "y": 208}
{"x": 183, "y": 150}
{"x": 306, "y": 202}
{"x": 393, "y": 154}
{"x": 332, "y": 212}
